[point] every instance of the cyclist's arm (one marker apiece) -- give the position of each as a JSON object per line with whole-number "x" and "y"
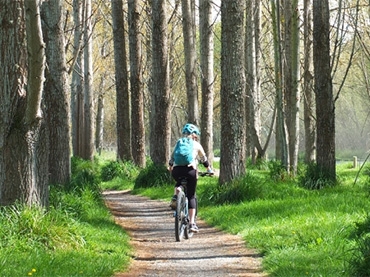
{"x": 202, "y": 157}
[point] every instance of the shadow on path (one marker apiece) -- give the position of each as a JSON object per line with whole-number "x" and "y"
{"x": 150, "y": 224}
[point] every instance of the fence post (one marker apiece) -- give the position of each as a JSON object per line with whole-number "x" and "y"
{"x": 354, "y": 162}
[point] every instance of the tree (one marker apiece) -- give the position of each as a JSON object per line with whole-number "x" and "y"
{"x": 122, "y": 91}
{"x": 191, "y": 75}
{"x": 308, "y": 95}
{"x": 207, "y": 75}
{"x": 291, "y": 80}
{"x": 232, "y": 162}
{"x": 281, "y": 138}
{"x": 136, "y": 81}
{"x": 23, "y": 142}
{"x": 325, "y": 116}
{"x": 88, "y": 145}
{"x": 160, "y": 132}
{"x": 253, "y": 89}
{"x": 77, "y": 87}
{"x": 56, "y": 100}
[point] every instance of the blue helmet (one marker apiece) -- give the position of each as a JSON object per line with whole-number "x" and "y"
{"x": 190, "y": 129}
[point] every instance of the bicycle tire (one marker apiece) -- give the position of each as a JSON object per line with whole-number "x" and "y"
{"x": 180, "y": 217}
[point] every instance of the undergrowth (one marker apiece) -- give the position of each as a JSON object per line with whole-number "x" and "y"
{"x": 74, "y": 236}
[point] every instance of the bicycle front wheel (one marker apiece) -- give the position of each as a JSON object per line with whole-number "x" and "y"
{"x": 180, "y": 216}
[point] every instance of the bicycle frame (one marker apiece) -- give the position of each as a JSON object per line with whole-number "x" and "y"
{"x": 181, "y": 214}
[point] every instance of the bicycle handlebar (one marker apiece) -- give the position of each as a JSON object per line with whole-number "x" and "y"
{"x": 210, "y": 174}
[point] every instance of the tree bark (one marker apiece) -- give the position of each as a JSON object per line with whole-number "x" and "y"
{"x": 281, "y": 139}
{"x": 325, "y": 114}
{"x": 291, "y": 79}
{"x": 160, "y": 132}
{"x": 88, "y": 118}
{"x": 136, "y": 80}
{"x": 207, "y": 75}
{"x": 55, "y": 93}
{"x": 232, "y": 162}
{"x": 23, "y": 140}
{"x": 122, "y": 91}
{"x": 254, "y": 147}
{"x": 191, "y": 75}
{"x": 77, "y": 87}
{"x": 308, "y": 94}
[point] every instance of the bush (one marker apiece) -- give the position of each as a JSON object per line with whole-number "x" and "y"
{"x": 85, "y": 175}
{"x": 360, "y": 262}
{"x": 314, "y": 178}
{"x": 260, "y": 164}
{"x": 153, "y": 176}
{"x": 277, "y": 171}
{"x": 238, "y": 190}
{"x": 115, "y": 169}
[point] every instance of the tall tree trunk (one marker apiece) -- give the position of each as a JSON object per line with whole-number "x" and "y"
{"x": 325, "y": 114}
{"x": 232, "y": 163}
{"x": 308, "y": 95}
{"x": 207, "y": 75}
{"x": 291, "y": 79}
{"x": 122, "y": 91}
{"x": 191, "y": 76}
{"x": 23, "y": 140}
{"x": 88, "y": 139}
{"x": 136, "y": 80}
{"x": 55, "y": 93}
{"x": 77, "y": 87}
{"x": 281, "y": 140}
{"x": 160, "y": 132}
{"x": 253, "y": 97}
{"x": 99, "y": 134}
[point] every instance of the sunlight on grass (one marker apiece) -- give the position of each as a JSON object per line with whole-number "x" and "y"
{"x": 299, "y": 232}
{"x": 75, "y": 236}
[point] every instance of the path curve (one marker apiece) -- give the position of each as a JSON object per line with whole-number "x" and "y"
{"x": 150, "y": 224}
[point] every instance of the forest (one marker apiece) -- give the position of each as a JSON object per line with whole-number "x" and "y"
{"x": 279, "y": 89}
{"x": 279, "y": 80}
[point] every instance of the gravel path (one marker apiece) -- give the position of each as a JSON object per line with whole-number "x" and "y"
{"x": 150, "y": 224}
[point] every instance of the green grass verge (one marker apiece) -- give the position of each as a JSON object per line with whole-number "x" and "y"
{"x": 75, "y": 236}
{"x": 299, "y": 232}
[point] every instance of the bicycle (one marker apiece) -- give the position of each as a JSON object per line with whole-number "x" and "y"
{"x": 181, "y": 213}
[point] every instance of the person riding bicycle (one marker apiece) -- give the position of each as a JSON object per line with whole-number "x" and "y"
{"x": 189, "y": 171}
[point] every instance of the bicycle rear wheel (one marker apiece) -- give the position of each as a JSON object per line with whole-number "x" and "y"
{"x": 180, "y": 218}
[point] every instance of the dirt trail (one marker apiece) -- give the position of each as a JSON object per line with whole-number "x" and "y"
{"x": 150, "y": 224}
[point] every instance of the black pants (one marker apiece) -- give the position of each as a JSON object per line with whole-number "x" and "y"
{"x": 191, "y": 174}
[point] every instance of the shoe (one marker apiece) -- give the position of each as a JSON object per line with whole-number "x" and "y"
{"x": 210, "y": 171}
{"x": 173, "y": 202}
{"x": 194, "y": 228}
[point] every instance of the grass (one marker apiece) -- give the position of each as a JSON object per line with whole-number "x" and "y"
{"x": 298, "y": 231}
{"x": 75, "y": 236}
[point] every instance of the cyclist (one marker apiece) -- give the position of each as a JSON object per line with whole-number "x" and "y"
{"x": 189, "y": 171}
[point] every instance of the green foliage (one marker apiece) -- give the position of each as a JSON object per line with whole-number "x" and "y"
{"x": 85, "y": 174}
{"x": 75, "y": 236}
{"x": 118, "y": 169}
{"x": 153, "y": 176}
{"x": 313, "y": 177}
{"x": 359, "y": 264}
{"x": 238, "y": 190}
{"x": 25, "y": 228}
{"x": 299, "y": 232}
{"x": 261, "y": 164}
{"x": 277, "y": 171}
